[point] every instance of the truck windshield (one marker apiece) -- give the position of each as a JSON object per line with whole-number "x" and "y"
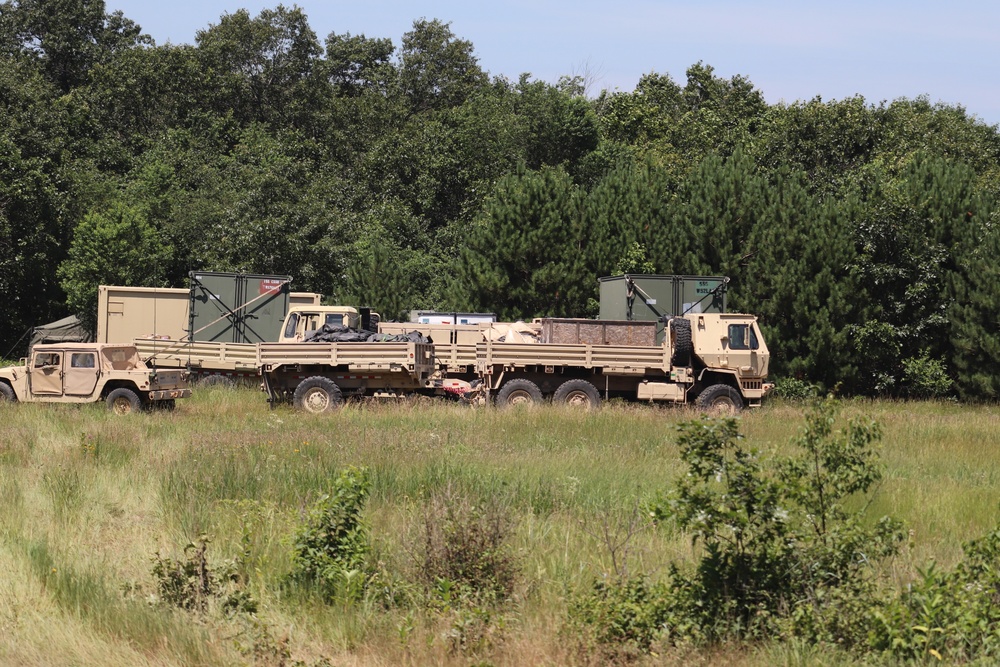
{"x": 293, "y": 320}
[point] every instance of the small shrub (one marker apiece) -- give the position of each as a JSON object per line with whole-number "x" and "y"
{"x": 949, "y": 616}
{"x": 466, "y": 551}
{"x": 794, "y": 389}
{"x": 781, "y": 553}
{"x": 331, "y": 550}
{"x": 924, "y": 377}
{"x": 620, "y": 619}
{"x": 190, "y": 583}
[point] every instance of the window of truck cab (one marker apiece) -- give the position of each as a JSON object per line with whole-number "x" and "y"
{"x": 82, "y": 360}
{"x": 46, "y": 359}
{"x": 742, "y": 337}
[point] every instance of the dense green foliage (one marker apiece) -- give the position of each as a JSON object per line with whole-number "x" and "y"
{"x": 783, "y": 552}
{"x": 331, "y": 548}
{"x": 863, "y": 235}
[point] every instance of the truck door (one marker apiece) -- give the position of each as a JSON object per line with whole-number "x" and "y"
{"x": 47, "y": 373}
{"x": 743, "y": 349}
{"x": 81, "y": 374}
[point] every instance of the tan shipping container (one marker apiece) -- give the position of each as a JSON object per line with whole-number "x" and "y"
{"x": 127, "y": 313}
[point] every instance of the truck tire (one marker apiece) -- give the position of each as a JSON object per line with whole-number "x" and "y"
{"x": 317, "y": 394}
{"x": 579, "y": 394}
{"x": 519, "y": 392}
{"x": 680, "y": 329}
{"x": 720, "y": 399}
{"x": 216, "y": 381}
{"x": 7, "y": 393}
{"x": 124, "y": 401}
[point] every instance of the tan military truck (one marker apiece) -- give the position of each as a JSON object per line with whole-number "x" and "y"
{"x": 716, "y": 361}
{"x": 231, "y": 363}
{"x": 91, "y": 372}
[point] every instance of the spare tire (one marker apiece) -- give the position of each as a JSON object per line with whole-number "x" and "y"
{"x": 680, "y": 336}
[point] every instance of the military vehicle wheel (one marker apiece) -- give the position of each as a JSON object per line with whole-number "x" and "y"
{"x": 518, "y": 392}
{"x": 317, "y": 394}
{"x": 720, "y": 399}
{"x": 7, "y": 393}
{"x": 578, "y": 393}
{"x": 123, "y": 401}
{"x": 683, "y": 348}
{"x": 216, "y": 381}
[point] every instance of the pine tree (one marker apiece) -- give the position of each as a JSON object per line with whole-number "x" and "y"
{"x": 799, "y": 283}
{"x": 527, "y": 255}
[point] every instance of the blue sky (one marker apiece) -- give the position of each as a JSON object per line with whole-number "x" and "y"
{"x": 791, "y": 51}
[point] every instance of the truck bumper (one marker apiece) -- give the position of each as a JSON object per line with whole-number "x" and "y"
{"x": 165, "y": 394}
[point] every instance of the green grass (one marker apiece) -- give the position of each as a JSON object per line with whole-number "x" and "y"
{"x": 88, "y": 499}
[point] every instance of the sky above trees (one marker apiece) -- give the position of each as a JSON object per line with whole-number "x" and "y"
{"x": 791, "y": 51}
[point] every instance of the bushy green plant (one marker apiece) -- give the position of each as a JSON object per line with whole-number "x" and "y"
{"x": 466, "y": 551}
{"x": 780, "y": 543}
{"x": 794, "y": 389}
{"x": 191, "y": 583}
{"x": 620, "y": 618}
{"x": 952, "y": 616}
{"x": 781, "y": 552}
{"x": 924, "y": 377}
{"x": 331, "y": 549}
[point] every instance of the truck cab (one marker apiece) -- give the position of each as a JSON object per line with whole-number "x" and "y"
{"x": 91, "y": 372}
{"x": 302, "y": 320}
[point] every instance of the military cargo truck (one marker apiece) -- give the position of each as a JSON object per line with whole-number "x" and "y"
{"x": 716, "y": 361}
{"x": 231, "y": 363}
{"x": 91, "y": 372}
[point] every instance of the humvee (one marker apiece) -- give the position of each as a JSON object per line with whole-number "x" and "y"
{"x": 91, "y": 372}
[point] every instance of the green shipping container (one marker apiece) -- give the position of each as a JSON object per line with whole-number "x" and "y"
{"x": 655, "y": 297}
{"x": 237, "y": 307}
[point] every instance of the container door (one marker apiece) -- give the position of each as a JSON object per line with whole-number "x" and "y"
{"x": 237, "y": 308}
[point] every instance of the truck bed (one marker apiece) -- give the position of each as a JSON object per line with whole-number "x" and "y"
{"x": 611, "y": 359}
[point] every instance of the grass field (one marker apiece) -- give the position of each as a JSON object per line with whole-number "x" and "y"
{"x": 88, "y": 500}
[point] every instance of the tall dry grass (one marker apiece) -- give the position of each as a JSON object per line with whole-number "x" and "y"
{"x": 87, "y": 500}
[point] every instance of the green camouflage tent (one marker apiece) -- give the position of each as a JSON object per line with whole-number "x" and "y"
{"x": 67, "y": 330}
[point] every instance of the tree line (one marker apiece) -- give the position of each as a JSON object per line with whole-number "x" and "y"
{"x": 405, "y": 176}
